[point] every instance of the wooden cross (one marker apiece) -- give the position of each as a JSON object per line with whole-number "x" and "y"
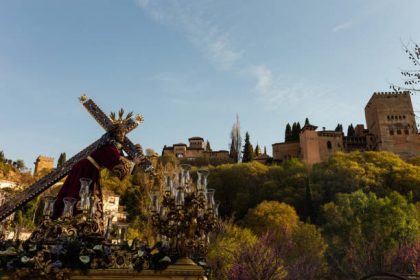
{"x": 107, "y": 124}
{"x": 19, "y": 200}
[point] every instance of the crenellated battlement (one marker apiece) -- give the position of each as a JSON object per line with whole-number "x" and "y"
{"x": 387, "y": 93}
{"x": 382, "y": 95}
{"x": 44, "y": 158}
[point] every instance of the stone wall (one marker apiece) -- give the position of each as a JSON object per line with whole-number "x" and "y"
{"x": 330, "y": 142}
{"x": 43, "y": 162}
{"x": 286, "y": 150}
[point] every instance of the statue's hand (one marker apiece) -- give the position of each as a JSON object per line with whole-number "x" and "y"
{"x": 139, "y": 149}
{"x": 137, "y": 160}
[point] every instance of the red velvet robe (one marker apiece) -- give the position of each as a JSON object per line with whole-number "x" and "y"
{"x": 106, "y": 156}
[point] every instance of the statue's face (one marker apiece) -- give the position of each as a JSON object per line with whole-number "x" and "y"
{"x": 119, "y": 135}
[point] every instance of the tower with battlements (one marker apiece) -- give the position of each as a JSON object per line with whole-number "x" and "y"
{"x": 390, "y": 119}
{"x": 43, "y": 162}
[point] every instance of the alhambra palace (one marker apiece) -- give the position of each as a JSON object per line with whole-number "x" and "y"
{"x": 391, "y": 126}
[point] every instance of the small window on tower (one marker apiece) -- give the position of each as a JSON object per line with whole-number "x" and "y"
{"x": 406, "y": 131}
{"x": 391, "y": 132}
{"x": 398, "y": 131}
{"x": 329, "y": 145}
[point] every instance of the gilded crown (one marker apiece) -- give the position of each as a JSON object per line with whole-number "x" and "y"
{"x": 127, "y": 120}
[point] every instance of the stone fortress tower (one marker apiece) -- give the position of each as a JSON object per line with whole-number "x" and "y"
{"x": 43, "y": 162}
{"x": 390, "y": 118}
{"x": 391, "y": 126}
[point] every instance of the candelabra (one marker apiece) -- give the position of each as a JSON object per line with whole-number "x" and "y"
{"x": 85, "y": 223}
{"x": 185, "y": 214}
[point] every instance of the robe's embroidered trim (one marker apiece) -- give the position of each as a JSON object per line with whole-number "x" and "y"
{"x": 89, "y": 158}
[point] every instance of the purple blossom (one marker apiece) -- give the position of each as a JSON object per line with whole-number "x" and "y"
{"x": 258, "y": 261}
{"x": 9, "y": 266}
{"x": 57, "y": 264}
{"x": 107, "y": 250}
{"x": 56, "y": 249}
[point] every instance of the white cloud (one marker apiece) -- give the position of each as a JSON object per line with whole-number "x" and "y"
{"x": 221, "y": 52}
{"x": 273, "y": 92}
{"x": 342, "y": 26}
{"x": 200, "y": 30}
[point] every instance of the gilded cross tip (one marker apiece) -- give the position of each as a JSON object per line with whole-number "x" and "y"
{"x": 83, "y": 98}
{"x": 139, "y": 118}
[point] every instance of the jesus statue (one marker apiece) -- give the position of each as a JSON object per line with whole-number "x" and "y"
{"x": 109, "y": 156}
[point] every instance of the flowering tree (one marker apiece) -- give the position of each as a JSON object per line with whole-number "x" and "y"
{"x": 299, "y": 245}
{"x": 258, "y": 261}
{"x": 226, "y": 241}
{"x": 367, "y": 234}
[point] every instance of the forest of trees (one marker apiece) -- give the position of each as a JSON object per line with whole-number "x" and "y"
{"x": 356, "y": 214}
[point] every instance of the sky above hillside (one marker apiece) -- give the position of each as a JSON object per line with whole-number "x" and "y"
{"x": 190, "y": 66}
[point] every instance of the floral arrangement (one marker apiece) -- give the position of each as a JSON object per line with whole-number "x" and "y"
{"x": 56, "y": 261}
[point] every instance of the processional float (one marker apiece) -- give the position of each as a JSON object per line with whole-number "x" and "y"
{"x": 184, "y": 218}
{"x": 18, "y": 201}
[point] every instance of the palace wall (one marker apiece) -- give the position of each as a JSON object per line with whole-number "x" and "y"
{"x": 286, "y": 150}
{"x": 391, "y": 126}
{"x": 330, "y": 142}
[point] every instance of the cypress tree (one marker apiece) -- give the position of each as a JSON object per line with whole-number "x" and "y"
{"x": 350, "y": 130}
{"x": 307, "y": 121}
{"x": 293, "y": 137}
{"x": 339, "y": 127}
{"x": 208, "y": 148}
{"x": 265, "y": 150}
{"x": 296, "y": 131}
{"x": 248, "y": 152}
{"x": 257, "y": 150}
{"x": 309, "y": 207}
{"x": 61, "y": 160}
{"x": 288, "y": 133}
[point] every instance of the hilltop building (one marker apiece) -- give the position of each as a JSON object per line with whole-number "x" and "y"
{"x": 391, "y": 126}
{"x": 43, "y": 162}
{"x": 390, "y": 118}
{"x": 195, "y": 149}
{"x": 8, "y": 184}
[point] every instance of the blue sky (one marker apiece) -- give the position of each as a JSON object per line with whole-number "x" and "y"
{"x": 190, "y": 66}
